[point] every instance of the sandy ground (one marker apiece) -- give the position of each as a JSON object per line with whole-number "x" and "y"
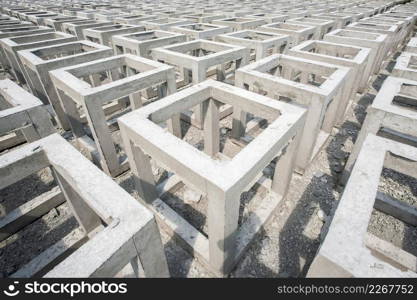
{"x": 284, "y": 247}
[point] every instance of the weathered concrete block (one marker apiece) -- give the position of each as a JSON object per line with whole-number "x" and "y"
{"x": 270, "y": 18}
{"x": 392, "y": 114}
{"x": 240, "y": 23}
{"x": 11, "y": 45}
{"x": 38, "y": 62}
{"x": 315, "y": 85}
{"x": 297, "y": 32}
{"x": 134, "y": 19}
{"x": 198, "y": 56}
{"x": 129, "y": 233}
{"x": 322, "y": 26}
{"x": 82, "y": 85}
{"x": 356, "y": 58}
{"x": 56, "y": 21}
{"x": 411, "y": 46}
{"x": 142, "y": 43}
{"x": 260, "y": 43}
{"x": 221, "y": 181}
{"x": 78, "y": 27}
{"x": 22, "y": 116}
{"x": 203, "y": 17}
{"x": 377, "y": 42}
{"x": 164, "y": 23}
{"x": 405, "y": 67}
{"x": 348, "y": 249}
{"x": 198, "y": 31}
{"x": 103, "y": 34}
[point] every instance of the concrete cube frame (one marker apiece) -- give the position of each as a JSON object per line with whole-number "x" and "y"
{"x": 262, "y": 43}
{"x": 57, "y": 21}
{"x": 73, "y": 91}
{"x": 23, "y": 114}
{"x": 379, "y": 43}
{"x": 78, "y": 28}
{"x": 221, "y": 181}
{"x": 342, "y": 20}
{"x": 297, "y": 32}
{"x": 103, "y": 34}
{"x": 164, "y": 23}
{"x": 199, "y": 65}
{"x": 390, "y": 114}
{"x": 348, "y": 249}
{"x": 411, "y": 46}
{"x": 240, "y": 23}
{"x": 134, "y": 19}
{"x": 203, "y": 17}
{"x": 12, "y": 45}
{"x": 356, "y": 58}
{"x": 322, "y": 101}
{"x": 198, "y": 31}
{"x": 130, "y": 234}
{"x": 405, "y": 67}
{"x": 270, "y": 18}
{"x": 322, "y": 26}
{"x": 142, "y": 43}
{"x": 38, "y": 62}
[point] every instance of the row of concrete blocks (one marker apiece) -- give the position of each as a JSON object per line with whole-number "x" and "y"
{"x": 41, "y": 84}
{"x": 388, "y": 139}
{"x": 224, "y": 252}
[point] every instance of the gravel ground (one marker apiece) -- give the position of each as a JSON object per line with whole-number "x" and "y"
{"x": 284, "y": 247}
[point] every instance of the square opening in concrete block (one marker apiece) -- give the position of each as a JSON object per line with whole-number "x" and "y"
{"x": 169, "y": 172}
{"x": 363, "y": 249}
{"x": 98, "y": 92}
{"x": 313, "y": 84}
{"x": 69, "y": 214}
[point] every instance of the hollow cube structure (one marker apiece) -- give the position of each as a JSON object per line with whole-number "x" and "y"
{"x": 142, "y": 43}
{"x": 377, "y": 42}
{"x": 39, "y": 61}
{"x": 103, "y": 34}
{"x": 406, "y": 66}
{"x": 83, "y": 85}
{"x": 315, "y": 85}
{"x": 78, "y": 28}
{"x": 297, "y": 32}
{"x": 12, "y": 45}
{"x": 222, "y": 181}
{"x": 260, "y": 43}
{"x": 198, "y": 56}
{"x": 201, "y": 30}
{"x": 356, "y": 58}
{"x": 114, "y": 229}
{"x": 23, "y": 117}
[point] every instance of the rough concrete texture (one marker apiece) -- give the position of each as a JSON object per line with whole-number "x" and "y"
{"x": 288, "y": 242}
